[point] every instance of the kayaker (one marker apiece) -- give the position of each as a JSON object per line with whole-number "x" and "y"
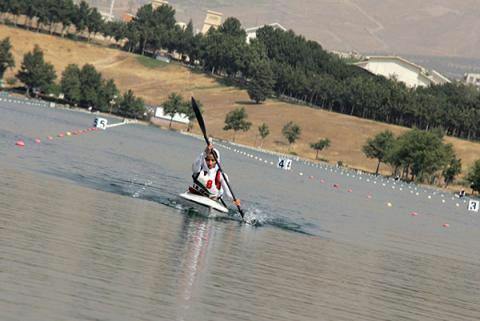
{"x": 207, "y": 178}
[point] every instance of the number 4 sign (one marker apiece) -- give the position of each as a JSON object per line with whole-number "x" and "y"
{"x": 473, "y": 206}
{"x": 284, "y": 163}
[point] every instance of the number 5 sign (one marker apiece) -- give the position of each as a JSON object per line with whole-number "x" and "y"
{"x": 473, "y": 206}
{"x": 100, "y": 123}
{"x": 284, "y": 163}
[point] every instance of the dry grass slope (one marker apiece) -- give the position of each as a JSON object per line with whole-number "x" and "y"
{"x": 347, "y": 134}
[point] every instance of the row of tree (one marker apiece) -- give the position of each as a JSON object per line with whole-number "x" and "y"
{"x": 52, "y": 13}
{"x": 84, "y": 87}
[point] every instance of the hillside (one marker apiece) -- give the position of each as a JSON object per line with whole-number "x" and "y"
{"x": 347, "y": 134}
{"x": 422, "y": 28}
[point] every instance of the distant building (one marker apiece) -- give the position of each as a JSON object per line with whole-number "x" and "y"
{"x": 178, "y": 117}
{"x": 472, "y": 79}
{"x": 402, "y": 70}
{"x": 182, "y": 25}
{"x": 252, "y": 32}
{"x": 158, "y": 3}
{"x": 212, "y": 20}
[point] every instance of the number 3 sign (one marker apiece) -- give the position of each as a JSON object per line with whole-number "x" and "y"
{"x": 473, "y": 206}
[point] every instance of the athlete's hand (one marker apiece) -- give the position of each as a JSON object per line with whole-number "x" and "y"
{"x": 209, "y": 148}
{"x": 236, "y": 202}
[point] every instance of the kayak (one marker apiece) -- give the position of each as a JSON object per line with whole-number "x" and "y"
{"x": 202, "y": 204}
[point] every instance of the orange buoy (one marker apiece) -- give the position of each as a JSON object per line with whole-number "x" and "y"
{"x": 38, "y": 141}
{"x": 50, "y": 137}
{"x": 414, "y": 213}
{"x": 20, "y": 143}
{"x": 446, "y": 225}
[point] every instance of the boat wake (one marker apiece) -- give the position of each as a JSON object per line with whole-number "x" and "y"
{"x": 142, "y": 188}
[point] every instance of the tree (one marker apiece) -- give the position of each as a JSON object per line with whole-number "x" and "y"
{"x": 453, "y": 169}
{"x": 237, "y": 120}
{"x": 6, "y": 57}
{"x": 66, "y": 13}
{"x": 378, "y": 147}
{"x": 80, "y": 18}
{"x": 35, "y": 73}
{"x": 131, "y": 106}
{"x": 291, "y": 132}
{"x": 91, "y": 83}
{"x": 70, "y": 83}
{"x": 320, "y": 145}
{"x": 174, "y": 104}
{"x": 420, "y": 153}
{"x": 260, "y": 87}
{"x": 107, "y": 95}
{"x": 473, "y": 176}
{"x": 94, "y": 22}
{"x": 190, "y": 113}
{"x": 264, "y": 131}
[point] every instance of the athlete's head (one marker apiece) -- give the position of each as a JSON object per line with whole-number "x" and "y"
{"x": 210, "y": 160}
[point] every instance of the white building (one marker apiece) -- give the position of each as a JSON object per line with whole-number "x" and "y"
{"x": 178, "y": 117}
{"x": 212, "y": 20}
{"x": 472, "y": 79}
{"x": 402, "y": 70}
{"x": 252, "y": 32}
{"x": 158, "y": 3}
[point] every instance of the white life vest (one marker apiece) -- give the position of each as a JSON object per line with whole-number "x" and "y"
{"x": 208, "y": 182}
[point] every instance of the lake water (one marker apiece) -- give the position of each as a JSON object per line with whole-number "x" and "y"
{"x": 91, "y": 229}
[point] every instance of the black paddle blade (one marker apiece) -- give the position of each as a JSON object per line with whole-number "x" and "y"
{"x": 198, "y": 114}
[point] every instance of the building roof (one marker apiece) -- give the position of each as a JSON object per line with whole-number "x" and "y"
{"x": 275, "y": 25}
{"x": 433, "y": 76}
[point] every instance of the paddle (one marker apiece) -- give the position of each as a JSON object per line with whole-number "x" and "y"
{"x": 201, "y": 123}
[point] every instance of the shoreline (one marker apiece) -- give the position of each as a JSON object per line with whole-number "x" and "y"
{"x": 161, "y": 124}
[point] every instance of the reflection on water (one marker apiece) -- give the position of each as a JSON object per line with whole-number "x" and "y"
{"x": 89, "y": 230}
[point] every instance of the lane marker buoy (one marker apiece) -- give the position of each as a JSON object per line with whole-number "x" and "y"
{"x": 20, "y": 143}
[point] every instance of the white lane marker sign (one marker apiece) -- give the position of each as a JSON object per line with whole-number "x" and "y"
{"x": 473, "y": 205}
{"x": 284, "y": 163}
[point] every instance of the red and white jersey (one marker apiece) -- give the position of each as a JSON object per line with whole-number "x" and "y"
{"x": 210, "y": 180}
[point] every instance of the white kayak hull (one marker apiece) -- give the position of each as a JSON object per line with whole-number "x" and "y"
{"x": 203, "y": 204}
